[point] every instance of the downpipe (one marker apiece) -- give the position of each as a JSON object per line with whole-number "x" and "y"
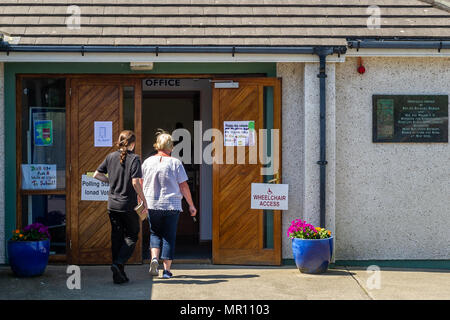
{"x": 323, "y": 52}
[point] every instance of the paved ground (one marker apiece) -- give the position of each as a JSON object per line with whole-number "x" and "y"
{"x": 204, "y": 282}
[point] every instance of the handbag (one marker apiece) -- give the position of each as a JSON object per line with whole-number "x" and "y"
{"x": 140, "y": 210}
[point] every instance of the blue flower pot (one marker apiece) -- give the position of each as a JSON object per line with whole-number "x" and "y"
{"x": 312, "y": 255}
{"x": 28, "y": 258}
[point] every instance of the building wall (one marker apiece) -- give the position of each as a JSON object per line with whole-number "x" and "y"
{"x": 2, "y": 167}
{"x": 292, "y": 144}
{"x": 392, "y": 200}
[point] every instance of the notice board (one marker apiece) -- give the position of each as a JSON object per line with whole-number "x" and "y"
{"x": 410, "y": 118}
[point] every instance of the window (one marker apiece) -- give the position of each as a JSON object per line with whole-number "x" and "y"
{"x": 42, "y": 154}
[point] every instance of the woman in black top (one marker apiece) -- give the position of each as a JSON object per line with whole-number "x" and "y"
{"x": 124, "y": 173}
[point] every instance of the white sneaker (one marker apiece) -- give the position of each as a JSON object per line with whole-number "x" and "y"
{"x": 154, "y": 267}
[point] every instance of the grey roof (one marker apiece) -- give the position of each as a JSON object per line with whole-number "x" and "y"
{"x": 220, "y": 22}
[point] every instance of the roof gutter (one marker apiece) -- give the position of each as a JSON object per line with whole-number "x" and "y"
{"x": 6, "y": 47}
{"x": 398, "y": 44}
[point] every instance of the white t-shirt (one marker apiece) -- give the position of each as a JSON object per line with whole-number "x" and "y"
{"x": 162, "y": 176}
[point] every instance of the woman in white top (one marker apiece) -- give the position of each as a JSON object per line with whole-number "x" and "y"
{"x": 164, "y": 187}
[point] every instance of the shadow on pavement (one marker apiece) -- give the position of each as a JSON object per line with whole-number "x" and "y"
{"x": 208, "y": 279}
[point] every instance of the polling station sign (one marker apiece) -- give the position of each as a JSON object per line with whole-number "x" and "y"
{"x": 269, "y": 196}
{"x": 93, "y": 189}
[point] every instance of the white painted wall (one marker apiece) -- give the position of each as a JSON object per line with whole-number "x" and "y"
{"x": 2, "y": 165}
{"x": 392, "y": 200}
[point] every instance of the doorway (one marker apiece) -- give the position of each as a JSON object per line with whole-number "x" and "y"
{"x": 170, "y": 109}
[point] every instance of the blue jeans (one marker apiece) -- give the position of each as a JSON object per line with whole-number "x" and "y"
{"x": 163, "y": 231}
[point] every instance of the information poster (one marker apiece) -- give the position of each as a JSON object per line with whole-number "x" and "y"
{"x": 239, "y": 133}
{"x": 43, "y": 133}
{"x": 38, "y": 176}
{"x": 103, "y": 134}
{"x": 269, "y": 196}
{"x": 93, "y": 189}
{"x": 410, "y": 118}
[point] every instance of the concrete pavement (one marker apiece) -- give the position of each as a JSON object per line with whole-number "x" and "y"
{"x": 218, "y": 282}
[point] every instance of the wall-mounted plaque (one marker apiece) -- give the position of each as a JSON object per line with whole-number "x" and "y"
{"x": 410, "y": 118}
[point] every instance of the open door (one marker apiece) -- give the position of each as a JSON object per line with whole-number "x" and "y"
{"x": 242, "y": 235}
{"x": 96, "y": 99}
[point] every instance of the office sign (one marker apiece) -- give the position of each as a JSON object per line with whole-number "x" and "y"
{"x": 269, "y": 196}
{"x": 410, "y": 118}
{"x": 93, "y": 189}
{"x": 161, "y": 83}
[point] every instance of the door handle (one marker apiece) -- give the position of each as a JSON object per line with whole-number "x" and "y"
{"x": 276, "y": 179}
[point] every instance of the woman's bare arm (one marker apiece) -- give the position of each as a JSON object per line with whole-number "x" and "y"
{"x": 184, "y": 188}
{"x": 138, "y": 187}
{"x": 101, "y": 176}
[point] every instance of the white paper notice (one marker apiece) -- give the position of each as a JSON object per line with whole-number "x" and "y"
{"x": 38, "y": 176}
{"x": 239, "y": 133}
{"x": 93, "y": 189}
{"x": 103, "y": 134}
{"x": 270, "y": 196}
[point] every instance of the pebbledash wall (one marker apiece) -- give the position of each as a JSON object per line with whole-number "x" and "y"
{"x": 392, "y": 199}
{"x": 387, "y": 203}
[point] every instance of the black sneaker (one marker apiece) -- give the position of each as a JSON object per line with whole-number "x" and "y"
{"x": 167, "y": 274}
{"x": 122, "y": 270}
{"x": 118, "y": 277}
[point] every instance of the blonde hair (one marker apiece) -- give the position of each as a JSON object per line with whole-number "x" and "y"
{"x": 164, "y": 141}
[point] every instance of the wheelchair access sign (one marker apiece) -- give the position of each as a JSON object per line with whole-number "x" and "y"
{"x": 269, "y": 196}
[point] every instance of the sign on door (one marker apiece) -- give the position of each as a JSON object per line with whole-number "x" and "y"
{"x": 93, "y": 189}
{"x": 269, "y": 196}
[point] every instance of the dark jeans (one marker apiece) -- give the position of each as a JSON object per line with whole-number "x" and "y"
{"x": 163, "y": 228}
{"x": 124, "y": 234}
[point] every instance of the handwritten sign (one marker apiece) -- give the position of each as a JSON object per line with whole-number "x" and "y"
{"x": 269, "y": 196}
{"x": 38, "y": 176}
{"x": 93, "y": 189}
{"x": 239, "y": 133}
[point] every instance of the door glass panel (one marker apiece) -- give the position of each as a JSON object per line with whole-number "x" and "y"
{"x": 268, "y": 124}
{"x": 128, "y": 108}
{"x": 43, "y": 134}
{"x": 50, "y": 210}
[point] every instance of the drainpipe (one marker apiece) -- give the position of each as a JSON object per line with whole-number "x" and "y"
{"x": 323, "y": 52}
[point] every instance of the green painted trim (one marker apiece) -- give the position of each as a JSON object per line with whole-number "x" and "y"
{"x": 269, "y": 69}
{"x": 404, "y": 264}
{"x": 10, "y": 154}
{"x": 11, "y": 69}
{"x": 413, "y": 264}
{"x": 288, "y": 262}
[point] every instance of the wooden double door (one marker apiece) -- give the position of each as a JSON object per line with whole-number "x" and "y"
{"x": 241, "y": 235}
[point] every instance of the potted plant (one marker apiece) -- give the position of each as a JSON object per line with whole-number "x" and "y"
{"x": 28, "y": 250}
{"x": 312, "y": 247}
